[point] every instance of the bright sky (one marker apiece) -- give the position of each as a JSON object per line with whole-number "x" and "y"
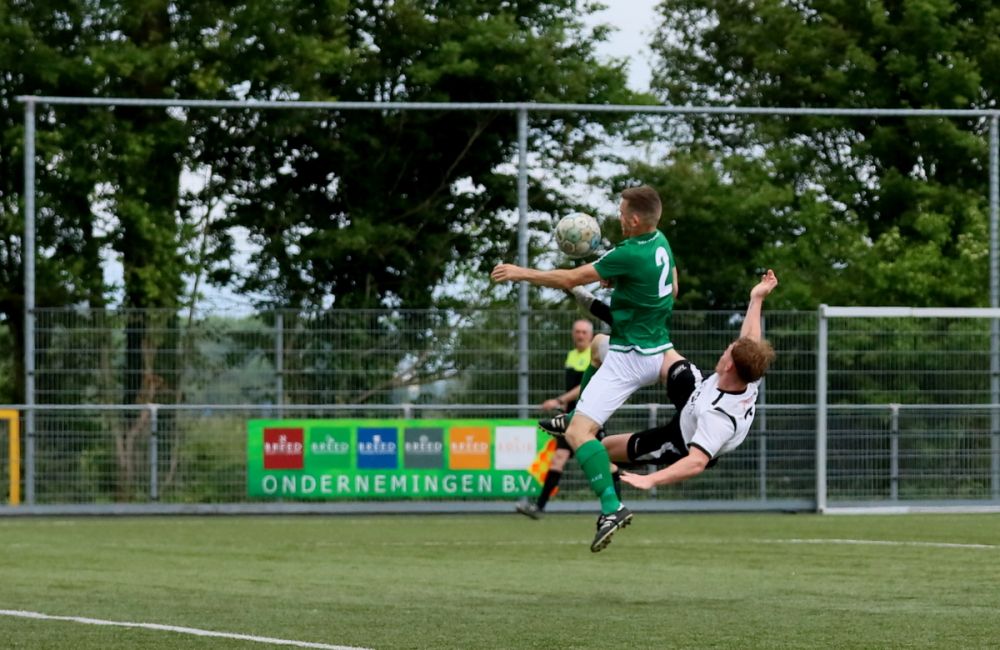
{"x": 635, "y": 21}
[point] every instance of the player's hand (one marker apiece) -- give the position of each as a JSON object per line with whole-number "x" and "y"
{"x": 505, "y": 273}
{"x": 641, "y": 481}
{"x": 552, "y": 405}
{"x": 606, "y": 284}
{"x": 767, "y": 283}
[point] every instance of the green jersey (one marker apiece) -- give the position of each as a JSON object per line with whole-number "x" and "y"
{"x": 642, "y": 302}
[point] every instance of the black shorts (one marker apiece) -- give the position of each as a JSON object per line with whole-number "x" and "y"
{"x": 664, "y": 445}
{"x": 660, "y": 446}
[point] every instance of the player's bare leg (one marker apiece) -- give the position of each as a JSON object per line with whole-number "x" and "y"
{"x": 617, "y": 447}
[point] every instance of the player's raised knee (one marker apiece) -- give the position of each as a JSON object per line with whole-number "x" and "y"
{"x": 581, "y": 429}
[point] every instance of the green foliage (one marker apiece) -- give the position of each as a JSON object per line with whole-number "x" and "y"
{"x": 366, "y": 209}
{"x": 900, "y": 201}
{"x": 910, "y": 361}
{"x": 206, "y": 459}
{"x": 352, "y": 208}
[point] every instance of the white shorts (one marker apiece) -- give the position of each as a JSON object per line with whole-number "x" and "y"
{"x": 621, "y": 374}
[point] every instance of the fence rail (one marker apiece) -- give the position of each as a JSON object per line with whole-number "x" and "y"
{"x": 166, "y": 458}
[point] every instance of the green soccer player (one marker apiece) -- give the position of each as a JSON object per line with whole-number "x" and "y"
{"x": 641, "y": 271}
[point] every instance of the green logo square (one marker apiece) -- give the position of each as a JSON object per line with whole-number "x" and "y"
{"x": 329, "y": 448}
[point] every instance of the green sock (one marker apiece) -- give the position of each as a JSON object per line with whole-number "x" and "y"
{"x": 587, "y": 374}
{"x": 594, "y": 460}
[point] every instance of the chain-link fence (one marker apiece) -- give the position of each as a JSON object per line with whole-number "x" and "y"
{"x": 199, "y": 454}
{"x": 355, "y": 357}
{"x": 470, "y": 357}
{"x": 909, "y": 453}
{"x": 910, "y": 417}
{"x": 184, "y": 455}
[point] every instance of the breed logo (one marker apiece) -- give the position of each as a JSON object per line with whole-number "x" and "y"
{"x": 469, "y": 448}
{"x": 329, "y": 448}
{"x": 423, "y": 448}
{"x": 283, "y": 449}
{"x": 377, "y": 448}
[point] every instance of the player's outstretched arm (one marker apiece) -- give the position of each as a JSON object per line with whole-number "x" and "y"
{"x": 751, "y": 324}
{"x": 691, "y": 465}
{"x": 560, "y": 402}
{"x": 557, "y": 278}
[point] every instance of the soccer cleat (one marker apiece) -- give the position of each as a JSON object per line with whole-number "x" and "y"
{"x": 583, "y": 297}
{"x": 528, "y": 509}
{"x": 607, "y": 525}
{"x": 554, "y": 426}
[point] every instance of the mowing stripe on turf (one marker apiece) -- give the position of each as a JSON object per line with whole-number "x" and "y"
{"x": 877, "y": 542}
{"x": 174, "y": 628}
{"x": 634, "y": 541}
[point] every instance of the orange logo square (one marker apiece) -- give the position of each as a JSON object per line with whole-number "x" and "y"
{"x": 469, "y": 448}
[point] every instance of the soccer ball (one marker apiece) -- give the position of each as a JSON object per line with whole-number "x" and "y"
{"x": 578, "y": 235}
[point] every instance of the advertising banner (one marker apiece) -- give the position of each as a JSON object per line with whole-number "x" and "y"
{"x": 396, "y": 459}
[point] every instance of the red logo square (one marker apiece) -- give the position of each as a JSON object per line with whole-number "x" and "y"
{"x": 283, "y": 448}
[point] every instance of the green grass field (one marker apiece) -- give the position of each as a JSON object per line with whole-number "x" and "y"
{"x": 668, "y": 581}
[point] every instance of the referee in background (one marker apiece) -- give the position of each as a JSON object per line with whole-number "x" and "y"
{"x": 577, "y": 361}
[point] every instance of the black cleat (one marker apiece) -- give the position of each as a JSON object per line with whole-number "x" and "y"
{"x": 554, "y": 426}
{"x": 607, "y": 525}
{"x": 528, "y": 509}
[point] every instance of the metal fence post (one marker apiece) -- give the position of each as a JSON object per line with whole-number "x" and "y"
{"x": 762, "y": 428}
{"x": 651, "y": 423}
{"x": 894, "y": 452}
{"x": 821, "y": 369}
{"x": 154, "y": 453}
{"x": 762, "y": 456}
{"x": 279, "y": 360}
{"x": 995, "y": 302}
{"x": 29, "y": 301}
{"x": 522, "y": 260}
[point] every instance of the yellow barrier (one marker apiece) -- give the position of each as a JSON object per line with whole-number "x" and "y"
{"x": 14, "y": 446}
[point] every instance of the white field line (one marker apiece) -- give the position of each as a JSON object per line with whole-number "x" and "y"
{"x": 876, "y": 542}
{"x": 173, "y": 628}
{"x": 633, "y": 540}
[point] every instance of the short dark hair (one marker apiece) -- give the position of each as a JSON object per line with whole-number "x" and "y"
{"x": 751, "y": 357}
{"x": 645, "y": 202}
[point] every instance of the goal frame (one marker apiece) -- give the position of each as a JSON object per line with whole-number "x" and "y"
{"x": 825, "y": 314}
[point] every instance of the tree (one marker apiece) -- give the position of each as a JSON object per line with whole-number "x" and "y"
{"x": 368, "y": 209}
{"x": 347, "y": 208}
{"x": 911, "y": 190}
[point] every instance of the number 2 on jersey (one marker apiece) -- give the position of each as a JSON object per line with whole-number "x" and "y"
{"x": 666, "y": 280}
